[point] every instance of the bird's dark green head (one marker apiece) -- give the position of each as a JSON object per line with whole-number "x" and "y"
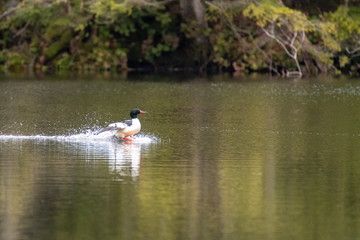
{"x": 135, "y": 112}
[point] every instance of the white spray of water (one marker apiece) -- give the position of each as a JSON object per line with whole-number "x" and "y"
{"x": 122, "y": 156}
{"x": 88, "y": 136}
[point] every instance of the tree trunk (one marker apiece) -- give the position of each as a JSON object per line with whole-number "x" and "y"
{"x": 194, "y": 10}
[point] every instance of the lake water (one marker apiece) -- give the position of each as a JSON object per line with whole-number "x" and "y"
{"x": 218, "y": 158}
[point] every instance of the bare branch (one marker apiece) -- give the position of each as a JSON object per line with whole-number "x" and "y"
{"x": 22, "y": 30}
{"x": 278, "y": 41}
{"x": 352, "y": 51}
{"x": 294, "y": 38}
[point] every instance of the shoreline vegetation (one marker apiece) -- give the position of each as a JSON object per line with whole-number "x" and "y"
{"x": 285, "y": 38}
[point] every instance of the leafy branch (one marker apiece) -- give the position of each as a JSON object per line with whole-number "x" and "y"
{"x": 286, "y": 26}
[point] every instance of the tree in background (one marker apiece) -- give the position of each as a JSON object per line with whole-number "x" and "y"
{"x": 83, "y": 34}
{"x": 347, "y": 20}
{"x": 241, "y": 35}
{"x": 286, "y": 26}
{"x": 289, "y": 28}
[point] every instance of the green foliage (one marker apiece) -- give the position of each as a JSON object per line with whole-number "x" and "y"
{"x": 271, "y": 12}
{"x": 156, "y": 51}
{"x": 14, "y": 61}
{"x": 347, "y": 22}
{"x": 344, "y": 60}
{"x": 64, "y": 62}
{"x": 107, "y": 34}
{"x": 291, "y": 27}
{"x": 322, "y": 56}
{"x": 347, "y": 33}
{"x": 56, "y": 47}
{"x": 109, "y": 9}
{"x": 327, "y": 31}
{"x": 223, "y": 47}
{"x": 3, "y": 57}
{"x": 98, "y": 54}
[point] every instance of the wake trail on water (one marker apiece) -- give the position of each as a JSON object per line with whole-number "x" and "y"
{"x": 87, "y": 136}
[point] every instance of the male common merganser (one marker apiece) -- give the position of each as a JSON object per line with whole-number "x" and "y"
{"x": 127, "y": 128}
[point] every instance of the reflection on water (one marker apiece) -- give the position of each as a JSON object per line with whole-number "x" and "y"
{"x": 126, "y": 160}
{"x": 218, "y": 159}
{"x": 31, "y": 180}
{"x": 123, "y": 157}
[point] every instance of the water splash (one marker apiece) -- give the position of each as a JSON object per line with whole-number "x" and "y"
{"x": 87, "y": 136}
{"x": 122, "y": 157}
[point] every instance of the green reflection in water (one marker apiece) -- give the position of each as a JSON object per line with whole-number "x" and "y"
{"x": 254, "y": 159}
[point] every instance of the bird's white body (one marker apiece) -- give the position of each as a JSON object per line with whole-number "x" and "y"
{"x": 125, "y": 130}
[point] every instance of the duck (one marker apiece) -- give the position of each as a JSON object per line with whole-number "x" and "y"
{"x": 127, "y": 129}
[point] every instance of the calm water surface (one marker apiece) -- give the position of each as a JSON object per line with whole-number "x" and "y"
{"x": 218, "y": 158}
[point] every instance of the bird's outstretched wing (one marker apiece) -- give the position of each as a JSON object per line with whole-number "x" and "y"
{"x": 116, "y": 126}
{"x": 127, "y": 122}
